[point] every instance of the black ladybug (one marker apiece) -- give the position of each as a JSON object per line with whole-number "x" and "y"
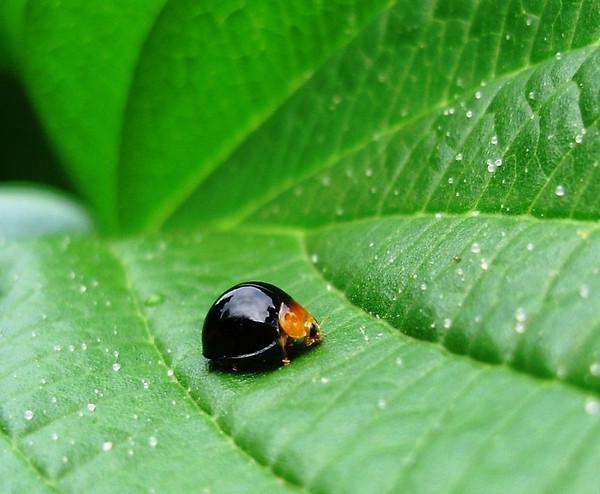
{"x": 253, "y": 323}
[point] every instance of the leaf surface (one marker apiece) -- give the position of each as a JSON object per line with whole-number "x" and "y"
{"x": 101, "y": 344}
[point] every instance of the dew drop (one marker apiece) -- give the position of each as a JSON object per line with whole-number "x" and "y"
{"x": 423, "y": 286}
{"x": 530, "y": 246}
{"x": 475, "y": 248}
{"x": 469, "y": 114}
{"x": 399, "y": 361}
{"x": 107, "y": 446}
{"x": 531, "y": 95}
{"x": 584, "y": 291}
{"x": 447, "y": 323}
{"x": 595, "y": 369}
{"x": 458, "y": 157}
{"x": 54, "y": 436}
{"x": 170, "y": 372}
{"x": 381, "y": 404}
{"x": 28, "y": 415}
{"x": 154, "y": 299}
{"x": 578, "y": 138}
{"x": 82, "y": 289}
{"x": 91, "y": 407}
{"x": 477, "y": 94}
{"x": 116, "y": 367}
{"x": 520, "y": 314}
{"x": 521, "y": 317}
{"x": 494, "y": 140}
{"x": 369, "y": 172}
{"x": 152, "y": 441}
{"x": 592, "y": 406}
{"x": 325, "y": 380}
{"x": 559, "y": 191}
{"x": 558, "y": 55}
{"x": 484, "y": 265}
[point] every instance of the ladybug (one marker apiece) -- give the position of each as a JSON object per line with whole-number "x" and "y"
{"x": 255, "y": 323}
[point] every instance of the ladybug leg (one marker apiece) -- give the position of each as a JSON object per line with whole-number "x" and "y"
{"x": 283, "y": 339}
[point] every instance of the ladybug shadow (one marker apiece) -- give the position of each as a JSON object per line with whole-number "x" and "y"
{"x": 266, "y": 362}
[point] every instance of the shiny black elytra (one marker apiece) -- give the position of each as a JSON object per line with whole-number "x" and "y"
{"x": 253, "y": 323}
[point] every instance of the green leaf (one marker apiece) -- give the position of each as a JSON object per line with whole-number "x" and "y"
{"x": 422, "y": 176}
{"x": 78, "y": 63}
{"x": 197, "y": 102}
{"x": 11, "y": 25}
{"x": 247, "y": 61}
{"x": 382, "y": 129}
{"x": 101, "y": 343}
